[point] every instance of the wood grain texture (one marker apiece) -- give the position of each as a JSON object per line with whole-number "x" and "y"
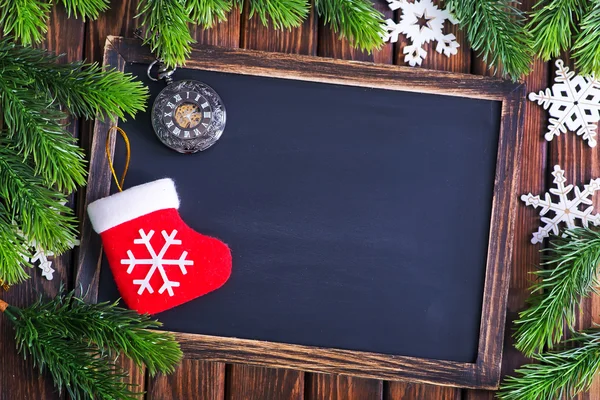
{"x": 330, "y": 44}
{"x": 416, "y": 391}
{"x": 324, "y": 70}
{"x": 435, "y": 60}
{"x": 251, "y": 383}
{"x": 192, "y": 379}
{"x": 19, "y": 379}
{"x": 526, "y": 256}
{"x": 581, "y": 163}
{"x": 340, "y": 387}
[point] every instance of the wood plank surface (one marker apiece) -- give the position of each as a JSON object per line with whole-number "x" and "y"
{"x": 580, "y": 163}
{"x": 202, "y": 380}
{"x": 18, "y": 377}
{"x": 192, "y": 379}
{"x": 534, "y": 167}
{"x": 256, "y": 383}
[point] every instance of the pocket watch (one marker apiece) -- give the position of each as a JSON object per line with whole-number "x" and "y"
{"x": 187, "y": 116}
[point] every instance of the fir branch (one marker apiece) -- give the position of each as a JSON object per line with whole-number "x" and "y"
{"x": 88, "y": 9}
{"x": 26, "y": 20}
{"x": 586, "y": 49}
{"x": 35, "y": 131}
{"x": 84, "y": 90}
{"x": 167, "y": 34}
{"x": 38, "y": 211}
{"x": 208, "y": 12}
{"x": 81, "y": 370}
{"x": 112, "y": 329}
{"x": 356, "y": 20}
{"x": 282, "y": 13}
{"x": 559, "y": 374}
{"x": 76, "y": 342}
{"x": 495, "y": 30}
{"x": 12, "y": 250}
{"x": 552, "y": 23}
{"x": 571, "y": 272}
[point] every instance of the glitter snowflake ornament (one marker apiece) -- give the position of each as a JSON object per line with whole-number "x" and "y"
{"x": 421, "y": 22}
{"x": 573, "y": 104}
{"x": 565, "y": 210}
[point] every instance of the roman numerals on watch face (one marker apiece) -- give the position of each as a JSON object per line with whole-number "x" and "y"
{"x": 186, "y": 114}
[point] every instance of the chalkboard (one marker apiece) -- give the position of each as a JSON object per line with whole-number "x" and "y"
{"x": 359, "y": 217}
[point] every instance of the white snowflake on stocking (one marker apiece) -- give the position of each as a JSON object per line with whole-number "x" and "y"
{"x": 565, "y": 210}
{"x": 421, "y": 22}
{"x": 157, "y": 262}
{"x": 573, "y": 104}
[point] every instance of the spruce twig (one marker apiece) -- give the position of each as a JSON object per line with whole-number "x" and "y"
{"x": 283, "y": 14}
{"x": 39, "y": 159}
{"x": 570, "y": 272}
{"x": 552, "y": 24}
{"x": 208, "y": 12}
{"x": 87, "y": 9}
{"x": 25, "y": 20}
{"x": 167, "y": 31}
{"x": 558, "y": 374}
{"x": 495, "y": 30}
{"x": 78, "y": 342}
{"x": 356, "y": 20}
{"x": 586, "y": 50}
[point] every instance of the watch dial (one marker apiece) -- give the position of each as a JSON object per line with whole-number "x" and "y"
{"x": 188, "y": 116}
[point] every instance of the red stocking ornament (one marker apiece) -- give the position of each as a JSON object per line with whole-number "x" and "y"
{"x": 158, "y": 262}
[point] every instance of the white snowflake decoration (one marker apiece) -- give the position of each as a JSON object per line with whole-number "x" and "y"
{"x": 40, "y": 256}
{"x": 421, "y": 22}
{"x": 156, "y": 262}
{"x": 573, "y": 104}
{"x": 565, "y": 210}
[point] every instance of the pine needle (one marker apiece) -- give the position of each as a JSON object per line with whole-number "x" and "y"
{"x": 167, "y": 32}
{"x": 552, "y": 23}
{"x": 87, "y": 9}
{"x": 559, "y": 374}
{"x": 495, "y": 30}
{"x": 208, "y": 12}
{"x": 356, "y": 20}
{"x": 12, "y": 251}
{"x": 586, "y": 49}
{"x": 26, "y": 20}
{"x": 283, "y": 14}
{"x": 85, "y": 90}
{"x": 570, "y": 272}
{"x": 37, "y": 210}
{"x": 40, "y": 161}
{"x": 78, "y": 342}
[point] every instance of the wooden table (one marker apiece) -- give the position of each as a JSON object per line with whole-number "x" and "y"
{"x": 217, "y": 381}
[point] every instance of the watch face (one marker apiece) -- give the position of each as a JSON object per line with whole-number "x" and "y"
{"x": 188, "y": 116}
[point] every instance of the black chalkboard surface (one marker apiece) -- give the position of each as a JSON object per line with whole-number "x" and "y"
{"x": 359, "y": 218}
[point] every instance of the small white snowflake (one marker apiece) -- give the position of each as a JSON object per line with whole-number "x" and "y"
{"x": 573, "y": 104}
{"x": 564, "y": 210}
{"x": 421, "y": 22}
{"x": 156, "y": 262}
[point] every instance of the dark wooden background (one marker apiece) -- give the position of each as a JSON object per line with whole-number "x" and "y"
{"x": 217, "y": 381}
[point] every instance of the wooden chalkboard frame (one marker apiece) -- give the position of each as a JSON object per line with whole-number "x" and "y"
{"x": 482, "y": 374}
